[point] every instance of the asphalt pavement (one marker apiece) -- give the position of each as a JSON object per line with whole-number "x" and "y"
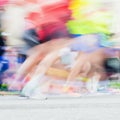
{"x": 104, "y": 107}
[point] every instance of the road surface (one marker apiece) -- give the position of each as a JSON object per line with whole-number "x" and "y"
{"x": 60, "y": 108}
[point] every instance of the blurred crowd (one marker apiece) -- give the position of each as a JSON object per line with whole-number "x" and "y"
{"x": 74, "y": 35}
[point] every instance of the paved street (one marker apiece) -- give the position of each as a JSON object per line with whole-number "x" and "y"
{"x": 60, "y": 108}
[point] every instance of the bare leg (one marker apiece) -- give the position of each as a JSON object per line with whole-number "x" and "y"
{"x": 81, "y": 67}
{"x": 48, "y": 61}
{"x": 38, "y": 53}
{"x": 38, "y": 77}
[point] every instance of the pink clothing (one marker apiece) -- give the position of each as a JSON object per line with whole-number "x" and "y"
{"x": 3, "y": 2}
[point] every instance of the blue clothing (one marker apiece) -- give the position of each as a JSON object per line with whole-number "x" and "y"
{"x": 86, "y": 43}
{"x": 91, "y": 43}
{"x": 4, "y": 64}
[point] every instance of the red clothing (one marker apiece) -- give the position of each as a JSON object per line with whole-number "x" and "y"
{"x": 52, "y": 31}
{"x": 41, "y": 35}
